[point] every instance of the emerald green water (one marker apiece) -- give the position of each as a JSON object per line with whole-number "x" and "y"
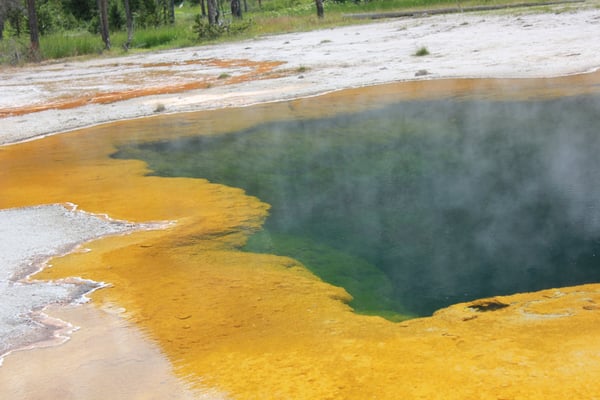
{"x": 419, "y": 204}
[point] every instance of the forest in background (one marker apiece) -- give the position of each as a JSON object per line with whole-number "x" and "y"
{"x": 35, "y": 30}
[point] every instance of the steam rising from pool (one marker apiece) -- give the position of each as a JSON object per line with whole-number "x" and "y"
{"x": 420, "y": 204}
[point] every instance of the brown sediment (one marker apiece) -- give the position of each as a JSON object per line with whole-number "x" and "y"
{"x": 259, "y": 326}
{"x": 256, "y": 70}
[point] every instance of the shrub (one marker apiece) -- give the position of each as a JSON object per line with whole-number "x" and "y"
{"x": 13, "y": 50}
{"x": 422, "y": 52}
{"x": 53, "y": 18}
{"x": 204, "y": 30}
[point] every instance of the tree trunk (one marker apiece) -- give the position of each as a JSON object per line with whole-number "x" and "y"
{"x": 245, "y": 5}
{"x": 129, "y": 23}
{"x": 34, "y": 34}
{"x": 4, "y": 7}
{"x": 203, "y": 7}
{"x": 236, "y": 9}
{"x": 171, "y": 12}
{"x": 103, "y": 13}
{"x": 320, "y": 10}
{"x": 213, "y": 12}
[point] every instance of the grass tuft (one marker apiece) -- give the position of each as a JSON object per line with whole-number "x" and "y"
{"x": 422, "y": 52}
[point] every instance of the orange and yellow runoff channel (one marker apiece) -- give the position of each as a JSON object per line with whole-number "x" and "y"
{"x": 261, "y": 326}
{"x": 143, "y": 83}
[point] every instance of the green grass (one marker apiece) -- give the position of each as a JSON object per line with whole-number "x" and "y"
{"x": 72, "y": 44}
{"x": 159, "y": 38}
{"x": 82, "y": 43}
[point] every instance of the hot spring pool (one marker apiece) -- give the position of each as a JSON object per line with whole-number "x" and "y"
{"x": 419, "y": 204}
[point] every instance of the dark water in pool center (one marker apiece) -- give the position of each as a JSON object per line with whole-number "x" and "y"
{"x": 420, "y": 204}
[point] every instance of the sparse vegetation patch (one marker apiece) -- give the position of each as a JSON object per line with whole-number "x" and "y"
{"x": 422, "y": 51}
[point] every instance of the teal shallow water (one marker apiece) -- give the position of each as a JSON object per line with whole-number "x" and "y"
{"x": 420, "y": 204}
